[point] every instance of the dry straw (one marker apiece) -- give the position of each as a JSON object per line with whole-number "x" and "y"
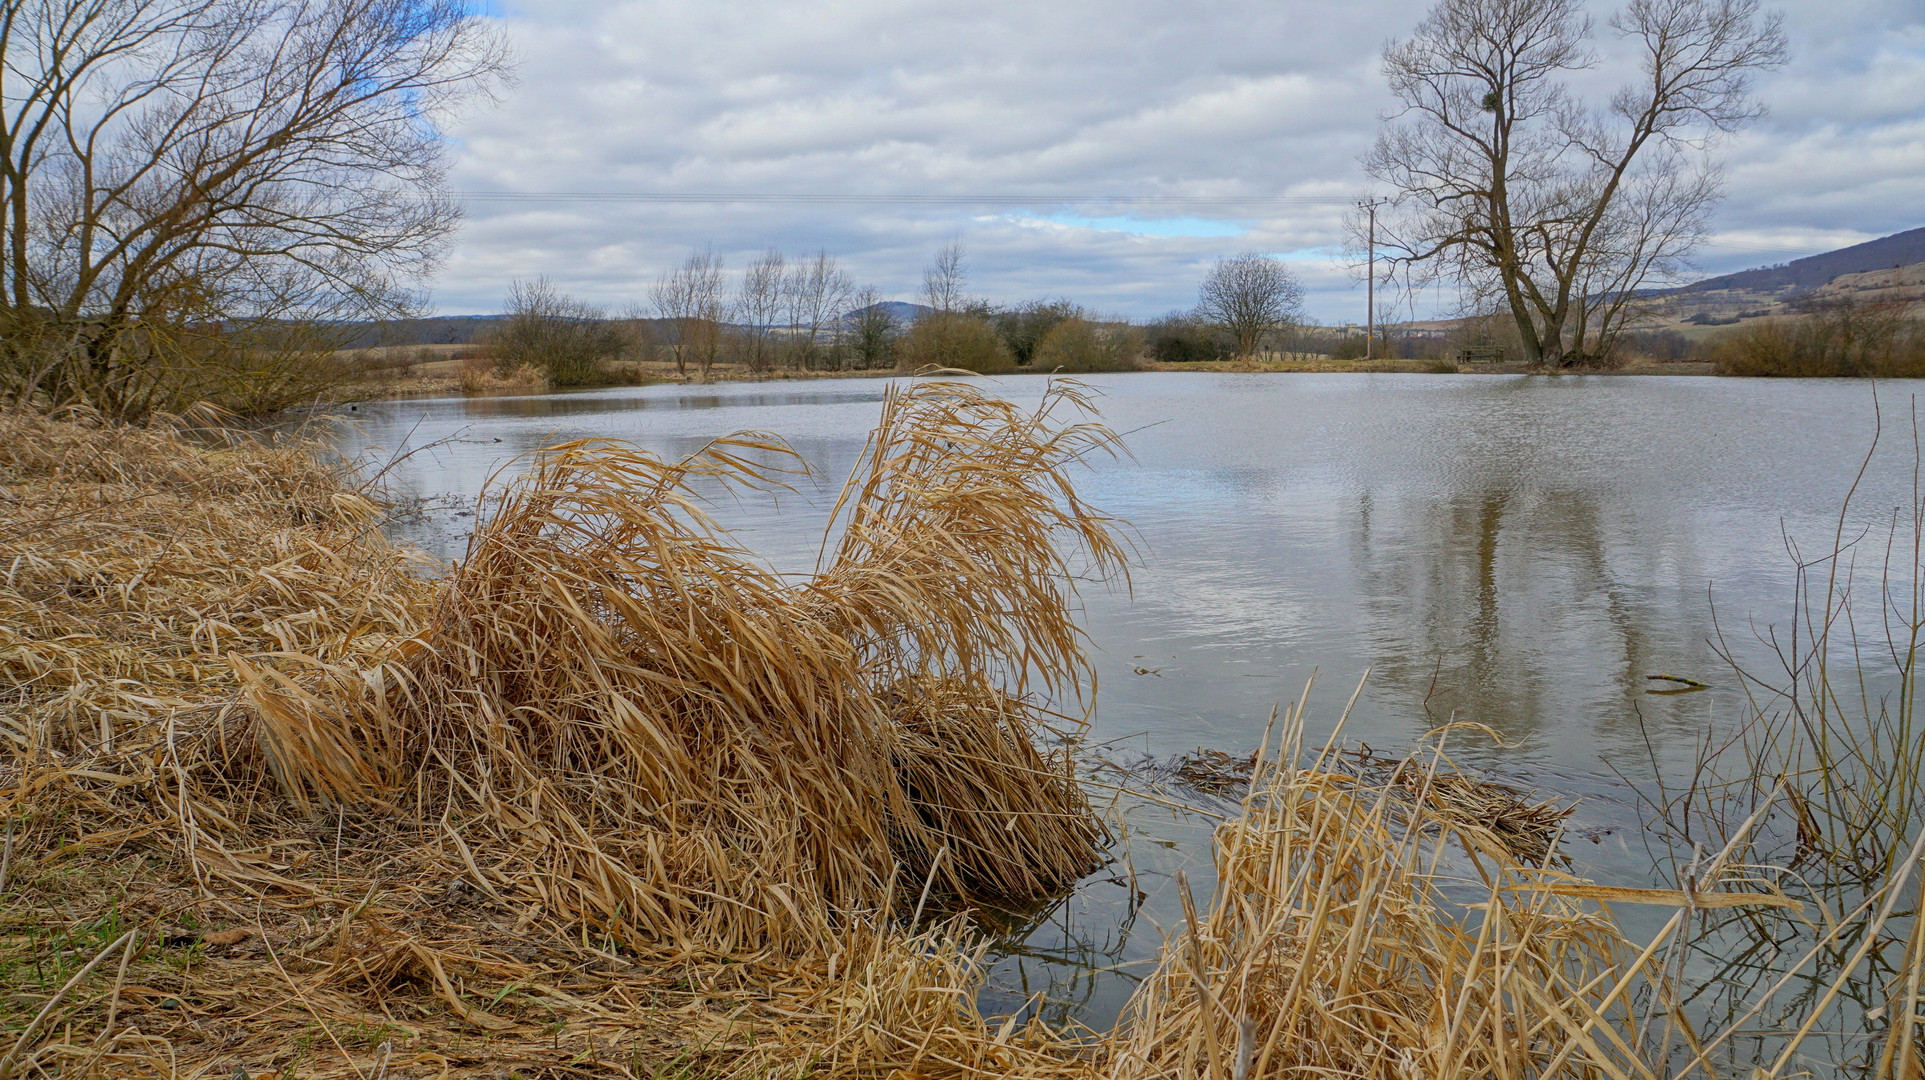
{"x": 611, "y": 799}
{"x": 668, "y": 742}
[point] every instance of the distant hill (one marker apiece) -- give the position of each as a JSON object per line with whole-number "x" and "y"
{"x": 1813, "y": 271}
{"x": 438, "y": 330}
{"x": 903, "y": 313}
{"x": 1891, "y": 268}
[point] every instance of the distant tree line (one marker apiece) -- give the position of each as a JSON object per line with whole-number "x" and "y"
{"x": 796, "y": 314}
{"x": 789, "y": 314}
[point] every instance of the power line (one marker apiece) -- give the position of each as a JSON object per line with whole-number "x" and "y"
{"x": 690, "y": 197}
{"x": 985, "y": 199}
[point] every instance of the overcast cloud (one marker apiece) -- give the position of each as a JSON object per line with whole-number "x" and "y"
{"x": 1061, "y": 100}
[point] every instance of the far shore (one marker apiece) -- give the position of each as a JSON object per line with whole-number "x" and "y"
{"x": 442, "y": 378}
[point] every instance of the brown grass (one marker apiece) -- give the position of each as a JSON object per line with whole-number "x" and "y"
{"x": 481, "y": 375}
{"x": 609, "y": 729}
{"x": 611, "y": 799}
{"x": 732, "y": 759}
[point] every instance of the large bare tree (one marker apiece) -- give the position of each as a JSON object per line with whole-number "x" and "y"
{"x": 170, "y": 168}
{"x": 1248, "y": 296}
{"x": 1551, "y": 209}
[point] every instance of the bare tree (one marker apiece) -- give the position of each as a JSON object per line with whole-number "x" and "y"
{"x": 817, "y": 292}
{"x": 167, "y": 166}
{"x": 1537, "y": 204}
{"x": 1248, "y": 296}
{"x": 759, "y": 306}
{"x": 872, "y": 331}
{"x": 566, "y": 338}
{"x": 668, "y": 301}
{"x": 689, "y": 298}
{"x": 943, "y": 281}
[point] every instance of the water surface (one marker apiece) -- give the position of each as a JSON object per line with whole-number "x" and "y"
{"x": 1518, "y": 551}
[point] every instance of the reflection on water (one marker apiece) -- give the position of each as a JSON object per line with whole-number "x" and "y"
{"x": 1516, "y": 551}
{"x": 1512, "y": 607}
{"x": 599, "y": 402}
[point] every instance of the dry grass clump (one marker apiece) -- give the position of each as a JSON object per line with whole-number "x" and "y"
{"x": 483, "y": 374}
{"x": 135, "y": 558}
{"x": 1330, "y": 950}
{"x": 1503, "y": 820}
{"x": 1366, "y": 925}
{"x": 424, "y": 814}
{"x": 665, "y": 740}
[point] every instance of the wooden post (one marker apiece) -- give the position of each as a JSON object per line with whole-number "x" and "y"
{"x": 1370, "y": 308}
{"x": 1370, "y": 303}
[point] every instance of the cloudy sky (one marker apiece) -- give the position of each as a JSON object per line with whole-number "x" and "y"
{"x": 1234, "y": 124}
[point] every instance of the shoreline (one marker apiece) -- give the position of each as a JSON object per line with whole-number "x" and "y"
{"x": 450, "y": 385}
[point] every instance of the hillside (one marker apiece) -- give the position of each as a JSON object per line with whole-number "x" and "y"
{"x": 1889, "y": 268}
{"x": 1813, "y": 271}
{"x": 904, "y": 313}
{"x": 434, "y": 330}
{"x": 1906, "y": 283}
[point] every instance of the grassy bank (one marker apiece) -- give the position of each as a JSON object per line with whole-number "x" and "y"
{"x": 610, "y": 799}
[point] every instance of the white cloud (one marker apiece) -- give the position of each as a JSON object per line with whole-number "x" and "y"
{"x": 1227, "y": 98}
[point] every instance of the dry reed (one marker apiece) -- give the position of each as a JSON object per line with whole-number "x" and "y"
{"x": 481, "y": 375}
{"x": 679, "y": 748}
{"x": 1372, "y": 921}
{"x": 613, "y": 800}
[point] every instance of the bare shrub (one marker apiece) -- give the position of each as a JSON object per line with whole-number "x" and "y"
{"x": 568, "y": 340}
{"x": 1183, "y": 339}
{"x": 1840, "y": 338}
{"x": 954, "y": 340}
{"x": 1077, "y": 345}
{"x": 1023, "y": 327}
{"x": 482, "y": 375}
{"x": 871, "y": 332}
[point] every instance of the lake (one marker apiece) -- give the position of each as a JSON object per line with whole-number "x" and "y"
{"x": 1518, "y": 551}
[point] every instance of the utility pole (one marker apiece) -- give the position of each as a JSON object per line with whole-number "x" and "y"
{"x": 1370, "y": 326}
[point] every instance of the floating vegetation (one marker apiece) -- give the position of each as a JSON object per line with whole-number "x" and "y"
{"x": 1215, "y": 772}
{"x": 1505, "y": 820}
